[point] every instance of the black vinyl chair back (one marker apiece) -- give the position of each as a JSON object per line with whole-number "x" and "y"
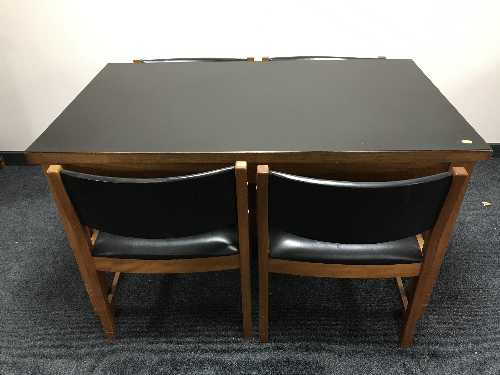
{"x": 154, "y": 207}
{"x": 355, "y": 212}
{"x": 287, "y": 58}
{"x": 191, "y": 59}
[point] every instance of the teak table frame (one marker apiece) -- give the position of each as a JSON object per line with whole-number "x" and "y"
{"x": 433, "y": 245}
{"x": 92, "y": 269}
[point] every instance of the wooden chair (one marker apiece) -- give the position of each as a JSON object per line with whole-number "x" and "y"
{"x": 323, "y": 228}
{"x": 288, "y": 58}
{"x": 183, "y": 224}
{"x": 191, "y": 59}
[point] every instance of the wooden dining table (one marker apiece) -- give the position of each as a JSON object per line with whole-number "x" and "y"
{"x": 359, "y": 119}
{"x": 355, "y": 119}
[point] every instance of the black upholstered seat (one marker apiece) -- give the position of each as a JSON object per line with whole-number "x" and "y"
{"x": 210, "y": 244}
{"x": 346, "y": 222}
{"x": 291, "y": 247}
{"x": 181, "y": 217}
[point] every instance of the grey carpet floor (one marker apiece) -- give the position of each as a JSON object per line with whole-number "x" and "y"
{"x": 175, "y": 324}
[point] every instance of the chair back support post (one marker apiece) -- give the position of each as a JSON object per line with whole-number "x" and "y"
{"x": 263, "y": 244}
{"x": 77, "y": 233}
{"x": 244, "y": 244}
{"x": 262, "y": 210}
{"x": 81, "y": 245}
{"x": 434, "y": 251}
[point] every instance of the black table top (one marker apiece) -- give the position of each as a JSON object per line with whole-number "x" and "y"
{"x": 351, "y": 105}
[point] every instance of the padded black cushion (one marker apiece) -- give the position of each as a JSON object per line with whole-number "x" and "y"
{"x": 211, "y": 244}
{"x": 291, "y": 247}
{"x": 154, "y": 208}
{"x": 355, "y": 212}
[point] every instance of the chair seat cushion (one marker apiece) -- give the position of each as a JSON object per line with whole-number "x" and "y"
{"x": 211, "y": 244}
{"x": 291, "y": 247}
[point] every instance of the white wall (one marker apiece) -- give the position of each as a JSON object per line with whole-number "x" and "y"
{"x": 50, "y": 49}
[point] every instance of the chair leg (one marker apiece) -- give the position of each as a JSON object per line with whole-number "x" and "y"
{"x": 411, "y": 317}
{"x": 263, "y": 302}
{"x": 246, "y": 299}
{"x": 423, "y": 289}
{"x": 416, "y": 307}
{"x": 97, "y": 292}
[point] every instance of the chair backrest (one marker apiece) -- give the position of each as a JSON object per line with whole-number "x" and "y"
{"x": 287, "y": 58}
{"x": 154, "y": 207}
{"x": 192, "y": 59}
{"x": 355, "y": 212}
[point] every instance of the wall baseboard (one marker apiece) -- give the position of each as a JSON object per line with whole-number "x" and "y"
{"x": 17, "y": 157}
{"x": 496, "y": 149}
{"x": 13, "y": 157}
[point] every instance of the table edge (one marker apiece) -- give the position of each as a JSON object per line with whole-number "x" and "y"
{"x": 256, "y": 157}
